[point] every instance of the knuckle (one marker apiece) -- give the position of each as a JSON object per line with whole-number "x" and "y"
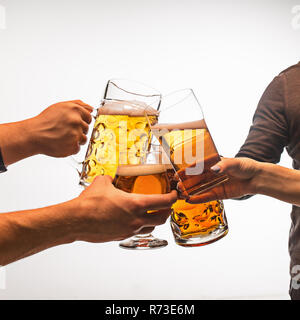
{"x": 77, "y": 101}
{"x": 75, "y": 149}
{"x": 136, "y": 205}
{"x": 75, "y": 120}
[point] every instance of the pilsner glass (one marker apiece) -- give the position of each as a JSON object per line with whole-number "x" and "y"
{"x": 149, "y": 177}
{"x": 184, "y": 135}
{"x": 120, "y": 128}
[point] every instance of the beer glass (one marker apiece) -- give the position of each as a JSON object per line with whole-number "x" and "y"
{"x": 148, "y": 177}
{"x": 121, "y": 132}
{"x": 184, "y": 135}
{"x": 196, "y": 225}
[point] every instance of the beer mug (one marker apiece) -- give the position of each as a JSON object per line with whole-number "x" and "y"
{"x": 121, "y": 132}
{"x": 148, "y": 177}
{"x": 195, "y": 225}
{"x": 184, "y": 135}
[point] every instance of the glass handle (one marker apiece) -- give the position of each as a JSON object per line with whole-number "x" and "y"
{"x": 72, "y": 161}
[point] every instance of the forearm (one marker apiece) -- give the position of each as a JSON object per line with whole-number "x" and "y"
{"x": 278, "y": 182}
{"x": 17, "y": 141}
{"x": 25, "y": 233}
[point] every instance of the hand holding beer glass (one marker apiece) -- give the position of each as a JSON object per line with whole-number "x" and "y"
{"x": 120, "y": 144}
{"x": 148, "y": 177}
{"x": 192, "y": 152}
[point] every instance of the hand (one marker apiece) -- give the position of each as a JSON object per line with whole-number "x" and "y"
{"x": 241, "y": 173}
{"x": 106, "y": 213}
{"x": 62, "y": 128}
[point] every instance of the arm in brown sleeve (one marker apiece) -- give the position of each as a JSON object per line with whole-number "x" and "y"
{"x": 268, "y": 134}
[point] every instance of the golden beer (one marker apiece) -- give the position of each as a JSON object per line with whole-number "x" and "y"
{"x": 142, "y": 179}
{"x": 192, "y": 152}
{"x": 196, "y": 224}
{"x": 204, "y": 223}
{"x": 121, "y": 134}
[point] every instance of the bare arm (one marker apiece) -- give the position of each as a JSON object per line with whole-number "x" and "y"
{"x": 101, "y": 213}
{"x": 247, "y": 176}
{"x": 27, "y": 232}
{"x": 278, "y": 182}
{"x": 58, "y": 131}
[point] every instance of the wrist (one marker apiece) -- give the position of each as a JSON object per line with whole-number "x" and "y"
{"x": 32, "y": 136}
{"x": 258, "y": 183}
{"x": 17, "y": 141}
{"x": 75, "y": 218}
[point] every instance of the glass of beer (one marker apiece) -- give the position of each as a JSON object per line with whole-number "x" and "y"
{"x": 121, "y": 132}
{"x": 148, "y": 177}
{"x": 195, "y": 225}
{"x": 184, "y": 135}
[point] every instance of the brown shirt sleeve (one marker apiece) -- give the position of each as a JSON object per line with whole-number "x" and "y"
{"x": 268, "y": 134}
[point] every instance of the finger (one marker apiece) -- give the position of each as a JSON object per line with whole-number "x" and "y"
{"x": 204, "y": 197}
{"x": 85, "y": 127}
{"x": 100, "y": 183}
{"x": 225, "y": 165}
{"x": 157, "y": 218}
{"x": 156, "y": 201}
{"x": 83, "y": 140}
{"x": 83, "y": 104}
{"x": 182, "y": 192}
{"x": 100, "y": 180}
{"x": 85, "y": 115}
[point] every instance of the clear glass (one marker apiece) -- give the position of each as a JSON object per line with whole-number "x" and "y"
{"x": 120, "y": 128}
{"x": 198, "y": 224}
{"x": 185, "y": 137}
{"x": 148, "y": 177}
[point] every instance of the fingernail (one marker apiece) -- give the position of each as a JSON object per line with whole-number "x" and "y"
{"x": 215, "y": 169}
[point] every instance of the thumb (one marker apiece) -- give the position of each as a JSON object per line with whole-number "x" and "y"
{"x": 102, "y": 180}
{"x": 226, "y": 165}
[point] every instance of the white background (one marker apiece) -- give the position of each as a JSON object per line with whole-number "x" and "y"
{"x": 228, "y": 52}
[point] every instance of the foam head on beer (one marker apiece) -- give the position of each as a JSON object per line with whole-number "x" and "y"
{"x": 192, "y": 152}
{"x": 143, "y": 179}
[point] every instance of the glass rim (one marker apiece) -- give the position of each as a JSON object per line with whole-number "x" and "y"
{"x": 185, "y": 94}
{"x": 113, "y": 81}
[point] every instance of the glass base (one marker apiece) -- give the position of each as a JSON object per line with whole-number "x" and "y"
{"x": 143, "y": 242}
{"x": 198, "y": 241}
